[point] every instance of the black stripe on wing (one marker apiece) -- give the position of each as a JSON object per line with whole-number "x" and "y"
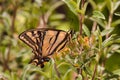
{"x": 60, "y": 45}
{"x": 53, "y": 43}
{"x": 26, "y": 39}
{"x": 40, "y": 41}
{"x": 32, "y": 39}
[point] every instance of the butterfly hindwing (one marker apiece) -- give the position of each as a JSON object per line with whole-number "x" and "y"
{"x": 32, "y": 39}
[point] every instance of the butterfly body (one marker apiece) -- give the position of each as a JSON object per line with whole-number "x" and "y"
{"x": 44, "y": 43}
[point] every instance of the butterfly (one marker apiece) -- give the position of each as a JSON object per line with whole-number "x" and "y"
{"x": 45, "y": 42}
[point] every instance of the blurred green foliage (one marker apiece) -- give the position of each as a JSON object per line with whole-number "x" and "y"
{"x": 94, "y": 55}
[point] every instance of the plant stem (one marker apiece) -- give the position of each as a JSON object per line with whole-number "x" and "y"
{"x": 13, "y": 19}
{"x": 6, "y": 60}
{"x": 109, "y": 23}
{"x": 83, "y": 2}
{"x": 57, "y": 72}
{"x": 81, "y": 17}
{"x": 94, "y": 73}
{"x": 42, "y": 22}
{"x": 94, "y": 26}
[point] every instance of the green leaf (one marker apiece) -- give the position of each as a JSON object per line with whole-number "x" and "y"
{"x": 86, "y": 30}
{"x": 116, "y": 5}
{"x": 111, "y": 40}
{"x": 117, "y": 72}
{"x": 57, "y": 16}
{"x": 109, "y": 5}
{"x": 79, "y": 77}
{"x": 98, "y": 14}
{"x": 99, "y": 21}
{"x": 113, "y": 62}
{"x": 87, "y": 70}
{"x": 72, "y": 6}
{"x": 118, "y": 51}
{"x": 115, "y": 23}
{"x": 73, "y": 21}
{"x": 108, "y": 41}
{"x": 78, "y": 3}
{"x": 67, "y": 74}
{"x": 106, "y": 31}
{"x": 93, "y": 4}
{"x": 117, "y": 13}
{"x": 62, "y": 64}
{"x": 99, "y": 38}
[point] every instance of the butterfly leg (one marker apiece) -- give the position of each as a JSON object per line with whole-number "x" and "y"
{"x": 42, "y": 65}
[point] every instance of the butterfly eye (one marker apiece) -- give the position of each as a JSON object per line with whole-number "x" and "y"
{"x": 46, "y": 59}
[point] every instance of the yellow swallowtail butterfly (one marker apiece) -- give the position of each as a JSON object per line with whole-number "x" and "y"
{"x": 44, "y": 42}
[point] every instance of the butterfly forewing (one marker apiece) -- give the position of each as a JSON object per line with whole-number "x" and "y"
{"x": 53, "y": 41}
